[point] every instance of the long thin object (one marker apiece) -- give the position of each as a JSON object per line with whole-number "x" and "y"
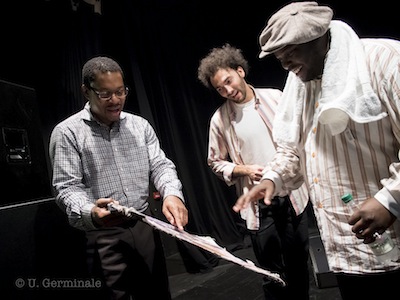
{"x": 204, "y": 242}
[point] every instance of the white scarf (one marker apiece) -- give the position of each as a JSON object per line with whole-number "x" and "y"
{"x": 346, "y": 90}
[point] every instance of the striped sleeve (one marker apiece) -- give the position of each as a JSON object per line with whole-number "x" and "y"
{"x": 384, "y": 62}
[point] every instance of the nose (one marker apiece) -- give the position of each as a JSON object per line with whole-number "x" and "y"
{"x": 228, "y": 89}
{"x": 283, "y": 59}
{"x": 113, "y": 98}
{"x": 285, "y": 65}
{"x": 285, "y": 62}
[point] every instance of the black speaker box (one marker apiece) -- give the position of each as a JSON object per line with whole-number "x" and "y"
{"x": 23, "y": 160}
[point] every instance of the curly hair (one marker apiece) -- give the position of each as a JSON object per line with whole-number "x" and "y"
{"x": 99, "y": 64}
{"x": 224, "y": 57}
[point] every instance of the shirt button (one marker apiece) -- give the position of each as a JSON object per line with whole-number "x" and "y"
{"x": 314, "y": 130}
{"x": 316, "y": 104}
{"x": 315, "y": 180}
{"x": 319, "y": 205}
{"x": 313, "y": 154}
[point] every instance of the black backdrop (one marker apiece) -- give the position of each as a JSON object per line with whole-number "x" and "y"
{"x": 159, "y": 44}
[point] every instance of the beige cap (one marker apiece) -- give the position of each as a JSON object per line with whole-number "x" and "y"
{"x": 295, "y": 23}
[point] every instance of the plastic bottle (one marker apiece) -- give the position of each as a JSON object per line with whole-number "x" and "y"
{"x": 383, "y": 246}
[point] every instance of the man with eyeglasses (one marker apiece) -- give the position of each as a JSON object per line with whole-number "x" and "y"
{"x": 102, "y": 155}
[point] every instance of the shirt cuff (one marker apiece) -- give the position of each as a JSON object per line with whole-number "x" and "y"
{"x": 275, "y": 178}
{"x": 227, "y": 174}
{"x": 87, "y": 220}
{"x": 387, "y": 200}
{"x": 176, "y": 193}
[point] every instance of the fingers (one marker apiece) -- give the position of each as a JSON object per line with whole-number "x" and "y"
{"x": 363, "y": 225}
{"x": 366, "y": 232}
{"x": 264, "y": 190}
{"x": 253, "y": 195}
{"x": 367, "y": 236}
{"x": 241, "y": 202}
{"x": 103, "y": 202}
{"x": 102, "y": 216}
{"x": 179, "y": 220}
{"x": 268, "y": 197}
{"x": 170, "y": 217}
{"x": 364, "y": 229}
{"x": 175, "y": 212}
{"x": 100, "y": 209}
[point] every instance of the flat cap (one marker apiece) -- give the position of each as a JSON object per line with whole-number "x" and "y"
{"x": 295, "y": 23}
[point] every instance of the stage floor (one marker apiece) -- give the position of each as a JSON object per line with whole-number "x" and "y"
{"x": 229, "y": 281}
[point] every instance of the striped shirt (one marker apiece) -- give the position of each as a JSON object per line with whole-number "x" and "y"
{"x": 362, "y": 160}
{"x": 224, "y": 151}
{"x": 92, "y": 161}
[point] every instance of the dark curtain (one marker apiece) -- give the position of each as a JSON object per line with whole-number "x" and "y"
{"x": 150, "y": 40}
{"x": 152, "y": 45}
{"x": 159, "y": 44}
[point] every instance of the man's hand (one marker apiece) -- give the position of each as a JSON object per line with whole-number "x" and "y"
{"x": 102, "y": 217}
{"x": 264, "y": 190}
{"x": 255, "y": 172}
{"x": 175, "y": 211}
{"x": 370, "y": 217}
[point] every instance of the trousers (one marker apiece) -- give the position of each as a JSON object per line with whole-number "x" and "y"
{"x": 130, "y": 261}
{"x": 368, "y": 286}
{"x": 281, "y": 245}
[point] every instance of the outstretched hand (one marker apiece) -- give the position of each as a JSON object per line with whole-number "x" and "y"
{"x": 264, "y": 190}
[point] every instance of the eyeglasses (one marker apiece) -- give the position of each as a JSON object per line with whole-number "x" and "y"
{"x": 107, "y": 95}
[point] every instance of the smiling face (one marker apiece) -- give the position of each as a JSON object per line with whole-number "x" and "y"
{"x": 230, "y": 84}
{"x": 106, "y": 111}
{"x": 305, "y": 60}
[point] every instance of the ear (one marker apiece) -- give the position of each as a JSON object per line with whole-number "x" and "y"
{"x": 241, "y": 71}
{"x": 85, "y": 91}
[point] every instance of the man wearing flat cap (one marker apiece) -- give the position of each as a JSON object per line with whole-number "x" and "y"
{"x": 338, "y": 129}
